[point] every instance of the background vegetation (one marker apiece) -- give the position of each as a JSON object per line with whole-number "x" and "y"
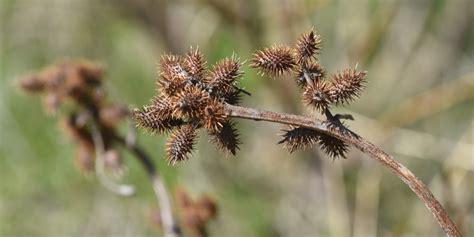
{"x": 418, "y": 106}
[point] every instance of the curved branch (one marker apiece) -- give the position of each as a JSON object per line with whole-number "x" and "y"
{"x": 120, "y": 189}
{"x": 170, "y": 226}
{"x": 415, "y": 184}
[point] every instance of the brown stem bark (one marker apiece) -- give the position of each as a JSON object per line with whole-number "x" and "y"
{"x": 415, "y": 184}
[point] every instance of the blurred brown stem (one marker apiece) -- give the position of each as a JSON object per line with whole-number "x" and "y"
{"x": 170, "y": 226}
{"x": 415, "y": 184}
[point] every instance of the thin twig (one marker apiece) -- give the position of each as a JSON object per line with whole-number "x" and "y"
{"x": 170, "y": 226}
{"x": 415, "y": 184}
{"x": 120, "y": 189}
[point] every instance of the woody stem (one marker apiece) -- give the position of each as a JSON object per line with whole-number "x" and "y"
{"x": 374, "y": 152}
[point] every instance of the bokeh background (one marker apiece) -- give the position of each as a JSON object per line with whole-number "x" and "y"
{"x": 418, "y": 106}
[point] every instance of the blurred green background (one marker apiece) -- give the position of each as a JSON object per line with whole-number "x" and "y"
{"x": 418, "y": 106}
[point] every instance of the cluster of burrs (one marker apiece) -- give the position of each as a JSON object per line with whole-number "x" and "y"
{"x": 319, "y": 93}
{"x": 80, "y": 84}
{"x": 191, "y": 97}
{"x": 194, "y": 213}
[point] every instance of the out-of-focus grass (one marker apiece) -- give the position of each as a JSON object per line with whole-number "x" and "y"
{"x": 408, "y": 47}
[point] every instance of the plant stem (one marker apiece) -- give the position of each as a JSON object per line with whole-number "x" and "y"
{"x": 120, "y": 189}
{"x": 170, "y": 226}
{"x": 415, "y": 184}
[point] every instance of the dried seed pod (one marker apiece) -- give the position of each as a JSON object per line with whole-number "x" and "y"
{"x": 78, "y": 80}
{"x": 111, "y": 116}
{"x": 195, "y": 214}
{"x": 147, "y": 118}
{"x": 314, "y": 72}
{"x": 307, "y": 46}
{"x": 207, "y": 207}
{"x": 214, "y": 115}
{"x": 332, "y": 146}
{"x": 52, "y": 102}
{"x": 296, "y": 138}
{"x": 195, "y": 226}
{"x": 317, "y": 95}
{"x": 178, "y": 73}
{"x": 218, "y": 89}
{"x": 180, "y": 144}
{"x": 170, "y": 86}
{"x": 232, "y": 97}
{"x": 189, "y": 103}
{"x": 226, "y": 70}
{"x": 171, "y": 66}
{"x": 150, "y": 118}
{"x": 163, "y": 106}
{"x": 75, "y": 126}
{"x": 183, "y": 199}
{"x": 32, "y": 84}
{"x": 347, "y": 85}
{"x": 195, "y": 64}
{"x": 228, "y": 93}
{"x": 273, "y": 61}
{"x": 222, "y": 79}
{"x": 226, "y": 138}
{"x": 91, "y": 73}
